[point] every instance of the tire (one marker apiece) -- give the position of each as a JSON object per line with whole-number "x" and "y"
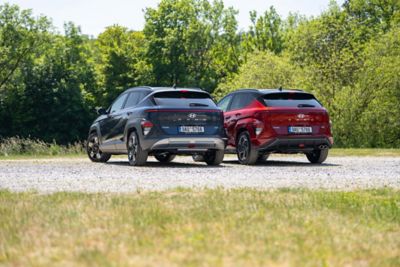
{"x": 262, "y": 158}
{"x": 165, "y": 157}
{"x": 246, "y": 153}
{"x": 317, "y": 156}
{"x": 93, "y": 149}
{"x": 136, "y": 156}
{"x": 214, "y": 158}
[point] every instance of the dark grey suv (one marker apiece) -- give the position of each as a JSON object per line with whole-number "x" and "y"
{"x": 162, "y": 122}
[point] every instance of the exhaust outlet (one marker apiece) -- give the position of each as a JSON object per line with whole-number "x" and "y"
{"x": 322, "y": 147}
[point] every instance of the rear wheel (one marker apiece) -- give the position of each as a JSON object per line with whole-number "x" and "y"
{"x": 263, "y": 158}
{"x": 246, "y": 153}
{"x": 93, "y": 149}
{"x": 165, "y": 157}
{"x": 136, "y": 155}
{"x": 317, "y": 156}
{"x": 214, "y": 157}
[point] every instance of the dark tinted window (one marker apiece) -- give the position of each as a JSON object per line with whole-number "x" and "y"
{"x": 117, "y": 105}
{"x": 290, "y": 100}
{"x": 184, "y": 99}
{"x": 241, "y": 100}
{"x": 224, "y": 103}
{"x": 134, "y": 98}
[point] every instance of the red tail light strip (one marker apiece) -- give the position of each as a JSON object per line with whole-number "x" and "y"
{"x": 184, "y": 110}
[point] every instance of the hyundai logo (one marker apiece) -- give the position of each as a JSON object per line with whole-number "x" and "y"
{"x": 192, "y": 115}
{"x": 301, "y": 116}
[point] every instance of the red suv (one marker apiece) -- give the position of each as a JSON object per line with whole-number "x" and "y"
{"x": 260, "y": 122}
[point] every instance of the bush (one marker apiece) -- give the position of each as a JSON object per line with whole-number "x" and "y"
{"x": 15, "y": 146}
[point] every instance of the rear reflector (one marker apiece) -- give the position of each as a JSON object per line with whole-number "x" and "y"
{"x": 146, "y": 127}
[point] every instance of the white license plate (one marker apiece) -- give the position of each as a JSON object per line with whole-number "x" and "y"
{"x": 300, "y": 130}
{"x": 191, "y": 129}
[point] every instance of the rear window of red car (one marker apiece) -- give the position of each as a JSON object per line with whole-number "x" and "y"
{"x": 291, "y": 99}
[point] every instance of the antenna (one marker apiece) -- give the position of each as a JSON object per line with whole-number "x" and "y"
{"x": 280, "y": 88}
{"x": 174, "y": 86}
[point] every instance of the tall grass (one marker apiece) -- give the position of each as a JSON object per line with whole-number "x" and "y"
{"x": 17, "y": 146}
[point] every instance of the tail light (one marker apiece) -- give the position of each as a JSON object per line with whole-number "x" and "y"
{"x": 146, "y": 127}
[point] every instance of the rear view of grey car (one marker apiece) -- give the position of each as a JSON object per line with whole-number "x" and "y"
{"x": 162, "y": 122}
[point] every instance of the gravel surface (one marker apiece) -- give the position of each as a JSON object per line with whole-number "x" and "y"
{"x": 79, "y": 174}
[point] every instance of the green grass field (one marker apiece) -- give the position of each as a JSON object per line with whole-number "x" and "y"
{"x": 206, "y": 227}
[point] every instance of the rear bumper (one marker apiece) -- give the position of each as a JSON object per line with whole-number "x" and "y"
{"x": 188, "y": 144}
{"x": 295, "y": 145}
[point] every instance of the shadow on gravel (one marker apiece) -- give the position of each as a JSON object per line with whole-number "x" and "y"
{"x": 155, "y": 164}
{"x": 274, "y": 163}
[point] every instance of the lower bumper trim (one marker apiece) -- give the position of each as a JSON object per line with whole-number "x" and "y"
{"x": 185, "y": 144}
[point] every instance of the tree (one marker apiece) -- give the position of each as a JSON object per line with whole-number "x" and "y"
{"x": 262, "y": 70}
{"x": 120, "y": 62}
{"x": 49, "y": 102}
{"x": 265, "y": 33}
{"x": 191, "y": 42}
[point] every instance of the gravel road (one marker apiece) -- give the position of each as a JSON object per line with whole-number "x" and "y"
{"x": 79, "y": 174}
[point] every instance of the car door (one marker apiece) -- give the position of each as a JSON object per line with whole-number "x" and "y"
{"x": 128, "y": 109}
{"x": 224, "y": 104}
{"x": 109, "y": 124}
{"x": 236, "y": 112}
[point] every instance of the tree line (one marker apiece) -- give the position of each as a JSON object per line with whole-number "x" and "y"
{"x": 349, "y": 57}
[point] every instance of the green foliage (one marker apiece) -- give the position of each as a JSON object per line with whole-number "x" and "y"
{"x": 348, "y": 56}
{"x": 262, "y": 70}
{"x": 191, "y": 42}
{"x": 120, "y": 62}
{"x": 16, "y": 146}
{"x": 265, "y": 33}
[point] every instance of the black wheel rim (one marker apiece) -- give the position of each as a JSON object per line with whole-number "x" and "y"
{"x": 93, "y": 148}
{"x": 132, "y": 148}
{"x": 243, "y": 148}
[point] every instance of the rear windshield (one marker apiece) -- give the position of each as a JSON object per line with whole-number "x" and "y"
{"x": 184, "y": 99}
{"x": 291, "y": 100}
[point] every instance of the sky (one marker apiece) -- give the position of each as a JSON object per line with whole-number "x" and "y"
{"x": 94, "y": 15}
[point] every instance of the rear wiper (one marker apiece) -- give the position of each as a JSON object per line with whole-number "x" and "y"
{"x": 305, "y": 106}
{"x": 197, "y": 105}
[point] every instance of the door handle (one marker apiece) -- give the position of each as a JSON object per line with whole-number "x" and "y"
{"x": 238, "y": 114}
{"x": 227, "y": 118}
{"x": 129, "y": 113}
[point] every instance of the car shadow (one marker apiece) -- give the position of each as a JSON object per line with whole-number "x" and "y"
{"x": 156, "y": 164}
{"x": 284, "y": 163}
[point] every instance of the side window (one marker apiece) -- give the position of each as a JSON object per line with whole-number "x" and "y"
{"x": 133, "y": 99}
{"x": 224, "y": 103}
{"x": 241, "y": 100}
{"x": 117, "y": 105}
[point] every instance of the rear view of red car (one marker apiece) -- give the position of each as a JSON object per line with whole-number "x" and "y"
{"x": 265, "y": 121}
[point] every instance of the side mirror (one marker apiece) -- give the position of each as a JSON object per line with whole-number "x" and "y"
{"x": 101, "y": 111}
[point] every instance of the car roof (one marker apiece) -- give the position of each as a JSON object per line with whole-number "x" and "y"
{"x": 159, "y": 89}
{"x": 269, "y": 91}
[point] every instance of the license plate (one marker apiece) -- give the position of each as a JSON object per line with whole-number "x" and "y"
{"x": 300, "y": 130}
{"x": 191, "y": 129}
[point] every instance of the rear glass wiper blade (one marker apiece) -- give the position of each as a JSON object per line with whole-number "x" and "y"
{"x": 305, "y": 106}
{"x": 197, "y": 105}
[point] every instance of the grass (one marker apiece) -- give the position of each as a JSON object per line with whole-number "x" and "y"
{"x": 218, "y": 227}
{"x": 25, "y": 147}
{"x": 362, "y": 152}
